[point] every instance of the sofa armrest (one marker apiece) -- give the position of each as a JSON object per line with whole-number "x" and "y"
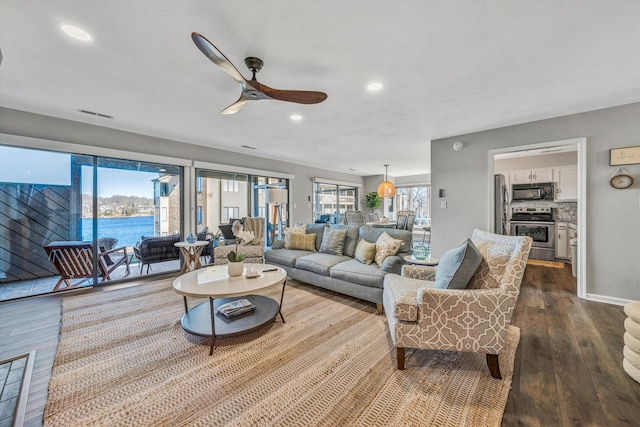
{"x": 465, "y": 320}
{"x": 278, "y": 244}
{"x": 419, "y": 272}
{"x": 393, "y": 264}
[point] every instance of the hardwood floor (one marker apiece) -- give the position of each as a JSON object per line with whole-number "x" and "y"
{"x": 568, "y": 366}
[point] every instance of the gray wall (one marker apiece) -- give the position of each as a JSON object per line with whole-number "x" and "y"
{"x": 613, "y": 216}
{"x": 542, "y": 161}
{"x": 44, "y": 127}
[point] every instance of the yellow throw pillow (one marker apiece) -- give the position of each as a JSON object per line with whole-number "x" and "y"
{"x": 304, "y": 242}
{"x": 386, "y": 246}
{"x": 365, "y": 252}
{"x": 288, "y": 231}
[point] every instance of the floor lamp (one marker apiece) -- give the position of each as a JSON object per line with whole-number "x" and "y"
{"x": 276, "y": 196}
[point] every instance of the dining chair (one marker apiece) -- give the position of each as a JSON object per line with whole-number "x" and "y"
{"x": 401, "y": 223}
{"x": 354, "y": 218}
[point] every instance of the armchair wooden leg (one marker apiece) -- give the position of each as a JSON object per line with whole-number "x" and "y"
{"x": 494, "y": 366}
{"x": 400, "y": 356}
{"x": 380, "y": 308}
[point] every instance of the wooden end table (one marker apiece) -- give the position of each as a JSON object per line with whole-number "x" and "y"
{"x": 191, "y": 254}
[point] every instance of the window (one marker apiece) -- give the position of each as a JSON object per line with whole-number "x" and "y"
{"x": 332, "y": 200}
{"x": 230, "y": 186}
{"x": 417, "y": 199}
{"x": 230, "y": 212}
{"x": 199, "y": 184}
{"x": 52, "y": 196}
{"x": 199, "y": 214}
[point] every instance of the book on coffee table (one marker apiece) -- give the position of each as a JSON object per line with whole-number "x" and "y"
{"x": 235, "y": 308}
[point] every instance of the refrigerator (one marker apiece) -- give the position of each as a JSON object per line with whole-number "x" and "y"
{"x": 500, "y": 207}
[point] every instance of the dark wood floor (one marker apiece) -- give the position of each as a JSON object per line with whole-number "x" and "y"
{"x": 568, "y": 365}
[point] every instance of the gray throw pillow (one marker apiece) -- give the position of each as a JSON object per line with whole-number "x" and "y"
{"x": 333, "y": 241}
{"x": 457, "y": 266}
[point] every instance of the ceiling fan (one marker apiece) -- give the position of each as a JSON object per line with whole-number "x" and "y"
{"x": 251, "y": 89}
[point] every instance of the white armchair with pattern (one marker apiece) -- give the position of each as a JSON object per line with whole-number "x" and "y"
{"x": 474, "y": 319}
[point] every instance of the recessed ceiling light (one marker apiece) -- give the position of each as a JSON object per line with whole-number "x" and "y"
{"x": 296, "y": 117}
{"x": 375, "y": 86}
{"x": 76, "y": 32}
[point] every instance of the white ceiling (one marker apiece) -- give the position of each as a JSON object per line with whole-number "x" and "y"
{"x": 448, "y": 68}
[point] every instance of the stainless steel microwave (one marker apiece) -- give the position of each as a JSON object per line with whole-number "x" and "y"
{"x": 540, "y": 191}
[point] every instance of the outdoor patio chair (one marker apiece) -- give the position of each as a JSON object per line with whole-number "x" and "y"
{"x": 74, "y": 260}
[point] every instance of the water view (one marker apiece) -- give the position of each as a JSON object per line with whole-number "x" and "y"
{"x": 128, "y": 230}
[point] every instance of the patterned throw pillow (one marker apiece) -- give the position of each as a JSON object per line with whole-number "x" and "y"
{"x": 386, "y": 246}
{"x": 365, "y": 252}
{"x": 333, "y": 241}
{"x": 304, "y": 242}
{"x": 457, "y": 266}
{"x": 288, "y": 231}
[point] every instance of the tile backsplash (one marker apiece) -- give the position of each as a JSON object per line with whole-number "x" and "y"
{"x": 564, "y": 211}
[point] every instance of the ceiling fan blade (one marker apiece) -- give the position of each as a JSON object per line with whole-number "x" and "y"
{"x": 298, "y": 96}
{"x": 217, "y": 57}
{"x": 235, "y": 107}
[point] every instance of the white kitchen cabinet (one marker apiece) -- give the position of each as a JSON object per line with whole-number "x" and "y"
{"x": 566, "y": 183}
{"x": 562, "y": 240}
{"x": 531, "y": 176}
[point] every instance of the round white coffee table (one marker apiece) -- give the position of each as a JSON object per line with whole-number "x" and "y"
{"x": 214, "y": 283}
{"x": 430, "y": 260}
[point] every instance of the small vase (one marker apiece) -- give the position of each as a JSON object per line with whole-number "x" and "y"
{"x": 420, "y": 251}
{"x": 191, "y": 238}
{"x": 235, "y": 269}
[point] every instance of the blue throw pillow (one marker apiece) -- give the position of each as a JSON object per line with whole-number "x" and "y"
{"x": 457, "y": 266}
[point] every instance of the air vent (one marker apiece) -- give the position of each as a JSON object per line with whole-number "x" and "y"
{"x": 93, "y": 113}
{"x": 249, "y": 147}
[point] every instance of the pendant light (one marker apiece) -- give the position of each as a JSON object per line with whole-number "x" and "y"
{"x": 386, "y": 188}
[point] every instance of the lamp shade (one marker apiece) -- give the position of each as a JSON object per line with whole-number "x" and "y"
{"x": 386, "y": 189}
{"x": 275, "y": 196}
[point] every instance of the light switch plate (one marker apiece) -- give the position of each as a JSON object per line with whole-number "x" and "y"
{"x": 443, "y": 204}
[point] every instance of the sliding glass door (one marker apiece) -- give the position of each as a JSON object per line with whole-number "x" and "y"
{"x": 55, "y": 200}
{"x": 331, "y": 201}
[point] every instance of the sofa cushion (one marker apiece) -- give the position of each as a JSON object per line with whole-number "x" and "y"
{"x": 353, "y": 232}
{"x": 288, "y": 231}
{"x": 318, "y": 230}
{"x": 319, "y": 263}
{"x": 333, "y": 241}
{"x": 284, "y": 257}
{"x": 365, "y": 252}
{"x": 457, "y": 266}
{"x": 356, "y": 272}
{"x": 305, "y": 242}
{"x": 386, "y": 246}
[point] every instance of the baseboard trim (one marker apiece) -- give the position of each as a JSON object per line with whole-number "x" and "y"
{"x": 607, "y": 300}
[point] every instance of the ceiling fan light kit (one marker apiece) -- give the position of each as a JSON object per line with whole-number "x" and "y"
{"x": 386, "y": 188}
{"x": 252, "y": 90}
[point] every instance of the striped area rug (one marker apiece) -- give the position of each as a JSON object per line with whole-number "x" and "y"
{"x": 123, "y": 359}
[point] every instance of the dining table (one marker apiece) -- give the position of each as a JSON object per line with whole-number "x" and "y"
{"x": 385, "y": 223}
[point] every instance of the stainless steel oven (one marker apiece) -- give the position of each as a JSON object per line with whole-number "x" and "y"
{"x": 538, "y": 224}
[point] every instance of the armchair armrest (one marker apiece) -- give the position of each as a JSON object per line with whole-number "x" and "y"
{"x": 465, "y": 320}
{"x": 419, "y": 272}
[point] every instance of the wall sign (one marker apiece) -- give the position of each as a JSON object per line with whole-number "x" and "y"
{"x": 625, "y": 156}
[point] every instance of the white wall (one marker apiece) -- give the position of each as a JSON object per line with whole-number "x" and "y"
{"x": 613, "y": 216}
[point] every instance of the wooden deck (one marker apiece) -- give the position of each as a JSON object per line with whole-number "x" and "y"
{"x": 568, "y": 365}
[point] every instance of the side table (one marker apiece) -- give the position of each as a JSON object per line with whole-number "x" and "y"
{"x": 191, "y": 254}
{"x": 428, "y": 261}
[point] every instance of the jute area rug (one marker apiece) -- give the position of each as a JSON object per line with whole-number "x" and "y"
{"x": 123, "y": 359}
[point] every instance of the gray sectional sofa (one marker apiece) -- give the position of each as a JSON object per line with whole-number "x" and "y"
{"x": 342, "y": 274}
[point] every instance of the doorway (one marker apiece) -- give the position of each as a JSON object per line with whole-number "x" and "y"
{"x": 569, "y": 207}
